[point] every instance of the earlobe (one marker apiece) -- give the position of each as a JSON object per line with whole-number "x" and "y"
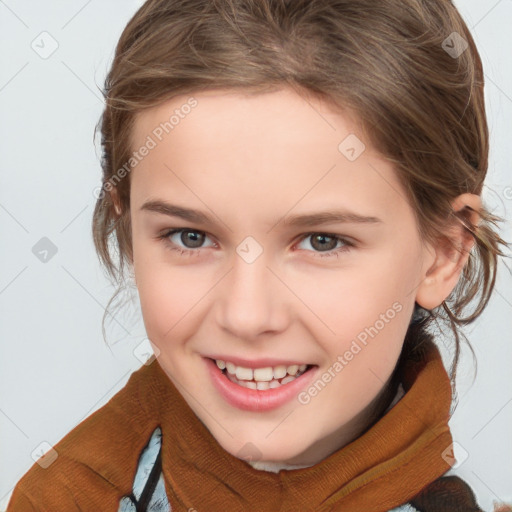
{"x": 443, "y": 275}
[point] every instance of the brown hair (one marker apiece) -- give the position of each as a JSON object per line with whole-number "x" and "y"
{"x": 397, "y": 64}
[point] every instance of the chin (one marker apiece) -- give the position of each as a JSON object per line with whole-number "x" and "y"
{"x": 256, "y": 449}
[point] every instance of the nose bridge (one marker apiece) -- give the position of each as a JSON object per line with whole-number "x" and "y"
{"x": 250, "y": 297}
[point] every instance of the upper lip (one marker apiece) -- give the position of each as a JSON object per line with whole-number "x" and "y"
{"x": 257, "y": 363}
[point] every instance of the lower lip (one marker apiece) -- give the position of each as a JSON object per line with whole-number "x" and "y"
{"x": 255, "y": 399}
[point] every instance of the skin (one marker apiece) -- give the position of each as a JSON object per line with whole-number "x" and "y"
{"x": 250, "y": 162}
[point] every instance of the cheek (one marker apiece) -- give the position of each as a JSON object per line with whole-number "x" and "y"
{"x": 362, "y": 310}
{"x": 347, "y": 300}
{"x": 384, "y": 288}
{"x": 170, "y": 298}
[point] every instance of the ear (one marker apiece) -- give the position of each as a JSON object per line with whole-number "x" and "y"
{"x": 114, "y": 196}
{"x": 116, "y": 201}
{"x": 439, "y": 280}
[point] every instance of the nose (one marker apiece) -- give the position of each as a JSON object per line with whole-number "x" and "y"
{"x": 251, "y": 300}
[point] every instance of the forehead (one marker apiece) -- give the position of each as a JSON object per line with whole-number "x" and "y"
{"x": 279, "y": 145}
{"x": 238, "y": 116}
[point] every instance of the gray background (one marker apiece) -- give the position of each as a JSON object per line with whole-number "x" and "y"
{"x": 55, "y": 369}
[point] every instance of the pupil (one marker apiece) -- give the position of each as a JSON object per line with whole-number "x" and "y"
{"x": 322, "y": 238}
{"x": 188, "y": 236}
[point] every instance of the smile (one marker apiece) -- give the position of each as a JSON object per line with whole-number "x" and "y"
{"x": 261, "y": 378}
{"x": 258, "y": 389}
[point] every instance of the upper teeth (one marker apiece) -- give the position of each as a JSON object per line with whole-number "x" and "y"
{"x": 260, "y": 374}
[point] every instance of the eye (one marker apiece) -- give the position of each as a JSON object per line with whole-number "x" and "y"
{"x": 188, "y": 236}
{"x": 327, "y": 242}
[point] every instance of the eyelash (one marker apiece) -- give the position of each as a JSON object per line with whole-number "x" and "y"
{"x": 194, "y": 252}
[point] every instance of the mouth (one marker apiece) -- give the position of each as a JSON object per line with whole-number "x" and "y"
{"x": 269, "y": 377}
{"x": 259, "y": 389}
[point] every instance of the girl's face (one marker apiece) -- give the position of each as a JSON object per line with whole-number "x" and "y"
{"x": 248, "y": 280}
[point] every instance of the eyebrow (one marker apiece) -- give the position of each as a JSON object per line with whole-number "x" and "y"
{"x": 330, "y": 217}
{"x": 309, "y": 219}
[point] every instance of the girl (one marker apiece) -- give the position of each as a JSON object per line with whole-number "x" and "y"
{"x": 239, "y": 137}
